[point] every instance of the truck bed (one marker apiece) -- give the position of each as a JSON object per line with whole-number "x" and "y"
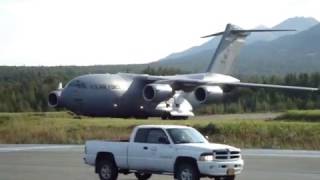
{"x": 119, "y": 148}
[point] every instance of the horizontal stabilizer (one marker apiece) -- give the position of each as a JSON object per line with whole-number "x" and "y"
{"x": 215, "y": 34}
{"x": 235, "y": 31}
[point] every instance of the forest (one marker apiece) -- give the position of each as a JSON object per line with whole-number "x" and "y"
{"x": 25, "y": 89}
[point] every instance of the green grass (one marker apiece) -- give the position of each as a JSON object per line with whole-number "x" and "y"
{"x": 298, "y": 115}
{"x": 61, "y": 128}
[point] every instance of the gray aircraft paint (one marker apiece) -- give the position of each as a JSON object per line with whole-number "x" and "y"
{"x": 104, "y": 95}
{"x": 124, "y": 95}
{"x": 227, "y": 51}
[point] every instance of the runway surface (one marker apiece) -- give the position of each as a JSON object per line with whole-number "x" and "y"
{"x": 52, "y": 162}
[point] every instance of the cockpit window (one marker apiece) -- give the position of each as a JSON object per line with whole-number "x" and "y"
{"x": 77, "y": 84}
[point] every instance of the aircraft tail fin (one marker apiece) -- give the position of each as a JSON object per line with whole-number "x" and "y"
{"x": 229, "y": 47}
{"x": 60, "y": 86}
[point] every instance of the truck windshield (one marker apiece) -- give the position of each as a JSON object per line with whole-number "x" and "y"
{"x": 185, "y": 135}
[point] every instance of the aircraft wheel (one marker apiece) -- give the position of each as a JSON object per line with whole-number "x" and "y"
{"x": 142, "y": 117}
{"x": 184, "y": 117}
{"x": 178, "y": 117}
{"x": 225, "y": 178}
{"x": 165, "y": 116}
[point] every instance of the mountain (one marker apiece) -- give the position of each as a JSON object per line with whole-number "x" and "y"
{"x": 259, "y": 46}
{"x": 194, "y": 50}
{"x": 298, "y": 23}
{"x": 266, "y": 36}
{"x": 292, "y": 53}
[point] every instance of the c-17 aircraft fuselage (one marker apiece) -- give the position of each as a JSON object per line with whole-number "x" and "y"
{"x": 132, "y": 95}
{"x": 141, "y": 95}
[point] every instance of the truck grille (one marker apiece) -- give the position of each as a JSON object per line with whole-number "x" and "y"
{"x": 226, "y": 154}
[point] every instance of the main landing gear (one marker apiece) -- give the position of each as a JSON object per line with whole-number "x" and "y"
{"x": 167, "y": 116}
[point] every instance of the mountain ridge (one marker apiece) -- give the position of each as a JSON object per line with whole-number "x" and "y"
{"x": 254, "y": 50}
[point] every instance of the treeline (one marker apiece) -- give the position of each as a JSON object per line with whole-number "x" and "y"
{"x": 26, "y": 89}
{"x": 162, "y": 71}
{"x": 270, "y": 100}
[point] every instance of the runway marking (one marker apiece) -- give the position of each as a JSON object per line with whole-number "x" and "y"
{"x": 35, "y": 148}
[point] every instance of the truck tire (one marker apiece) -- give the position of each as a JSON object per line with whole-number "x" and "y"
{"x": 225, "y": 178}
{"x": 142, "y": 176}
{"x": 230, "y": 177}
{"x": 107, "y": 170}
{"x": 187, "y": 171}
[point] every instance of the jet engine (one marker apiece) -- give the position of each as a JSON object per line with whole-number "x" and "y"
{"x": 54, "y": 99}
{"x": 157, "y": 92}
{"x": 208, "y": 94}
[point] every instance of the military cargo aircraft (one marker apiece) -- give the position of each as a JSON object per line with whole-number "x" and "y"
{"x": 169, "y": 97}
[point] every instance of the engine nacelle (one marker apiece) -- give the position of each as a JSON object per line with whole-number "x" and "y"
{"x": 208, "y": 94}
{"x": 54, "y": 99}
{"x": 157, "y": 92}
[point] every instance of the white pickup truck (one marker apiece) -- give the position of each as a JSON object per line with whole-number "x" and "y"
{"x": 164, "y": 149}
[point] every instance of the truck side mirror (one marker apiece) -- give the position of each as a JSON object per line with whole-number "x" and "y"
{"x": 163, "y": 140}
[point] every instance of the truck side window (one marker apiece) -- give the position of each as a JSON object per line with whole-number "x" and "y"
{"x": 150, "y": 135}
{"x": 154, "y": 136}
{"x": 141, "y": 135}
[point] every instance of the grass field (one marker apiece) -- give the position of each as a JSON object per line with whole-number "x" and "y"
{"x": 304, "y": 116}
{"x": 292, "y": 130}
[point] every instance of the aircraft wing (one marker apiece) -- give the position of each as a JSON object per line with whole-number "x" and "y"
{"x": 272, "y": 86}
{"x": 187, "y": 84}
{"x": 190, "y": 84}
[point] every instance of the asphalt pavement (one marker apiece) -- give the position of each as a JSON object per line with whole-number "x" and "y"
{"x": 52, "y": 162}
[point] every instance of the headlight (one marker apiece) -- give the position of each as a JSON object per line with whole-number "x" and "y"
{"x": 206, "y": 157}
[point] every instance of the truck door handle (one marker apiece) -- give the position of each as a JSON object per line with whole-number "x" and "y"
{"x": 145, "y": 148}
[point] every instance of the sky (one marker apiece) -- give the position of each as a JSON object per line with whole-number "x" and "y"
{"x": 100, "y": 32}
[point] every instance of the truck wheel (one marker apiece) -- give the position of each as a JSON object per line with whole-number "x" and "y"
{"x": 225, "y": 178}
{"x": 187, "y": 172}
{"x": 142, "y": 176}
{"x": 230, "y": 177}
{"x": 107, "y": 170}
